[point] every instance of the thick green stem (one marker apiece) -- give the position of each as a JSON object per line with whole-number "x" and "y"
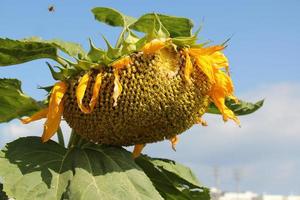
{"x": 60, "y": 137}
{"x": 76, "y": 140}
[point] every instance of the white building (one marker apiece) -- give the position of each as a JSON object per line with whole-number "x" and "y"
{"x": 217, "y": 194}
{"x": 238, "y": 196}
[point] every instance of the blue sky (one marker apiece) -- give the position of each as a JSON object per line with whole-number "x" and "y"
{"x": 264, "y": 58}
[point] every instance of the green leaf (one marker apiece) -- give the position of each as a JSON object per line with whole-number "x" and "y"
{"x": 34, "y": 170}
{"x": 176, "y": 26}
{"x": 72, "y": 49}
{"x": 112, "y": 17}
{"x": 13, "y": 102}
{"x": 241, "y": 108}
{"x": 14, "y": 52}
{"x": 173, "y": 181}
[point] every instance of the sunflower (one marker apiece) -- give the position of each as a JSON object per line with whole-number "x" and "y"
{"x": 142, "y": 91}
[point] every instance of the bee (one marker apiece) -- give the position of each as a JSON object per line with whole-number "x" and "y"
{"x": 51, "y": 8}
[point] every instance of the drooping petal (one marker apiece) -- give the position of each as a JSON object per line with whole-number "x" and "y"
{"x": 52, "y": 124}
{"x": 220, "y": 90}
{"x": 117, "y": 88}
{"x": 138, "y": 148}
{"x": 80, "y": 91}
{"x": 36, "y": 116}
{"x": 153, "y": 46}
{"x": 188, "y": 69}
{"x": 174, "y": 141}
{"x": 211, "y": 61}
{"x": 121, "y": 63}
{"x": 96, "y": 89}
{"x": 55, "y": 110}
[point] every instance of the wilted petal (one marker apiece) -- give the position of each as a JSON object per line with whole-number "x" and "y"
{"x": 96, "y": 90}
{"x": 117, "y": 88}
{"x": 153, "y": 46}
{"x": 55, "y": 110}
{"x": 122, "y": 62}
{"x": 138, "y": 148}
{"x": 220, "y": 90}
{"x": 37, "y": 116}
{"x": 174, "y": 141}
{"x": 80, "y": 91}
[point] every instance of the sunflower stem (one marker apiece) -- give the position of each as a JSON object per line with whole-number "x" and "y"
{"x": 72, "y": 137}
{"x": 76, "y": 140}
{"x": 60, "y": 137}
{"x": 121, "y": 37}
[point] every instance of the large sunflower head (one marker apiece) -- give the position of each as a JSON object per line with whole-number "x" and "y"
{"x": 143, "y": 90}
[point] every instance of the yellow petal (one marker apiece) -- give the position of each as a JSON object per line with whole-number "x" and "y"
{"x": 96, "y": 90}
{"x": 137, "y": 150}
{"x": 52, "y": 124}
{"x": 174, "y": 142}
{"x": 205, "y": 50}
{"x": 80, "y": 91}
{"x": 220, "y": 61}
{"x": 188, "y": 69}
{"x": 121, "y": 63}
{"x": 204, "y": 63}
{"x": 117, "y": 88}
{"x": 220, "y": 90}
{"x": 208, "y": 59}
{"x": 153, "y": 46}
{"x": 55, "y": 110}
{"x": 36, "y": 116}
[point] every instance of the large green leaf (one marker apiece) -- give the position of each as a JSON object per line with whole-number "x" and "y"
{"x": 14, "y": 52}
{"x": 173, "y": 181}
{"x": 176, "y": 26}
{"x": 241, "y": 108}
{"x": 13, "y": 102}
{"x": 112, "y": 17}
{"x": 32, "y": 170}
{"x": 70, "y": 48}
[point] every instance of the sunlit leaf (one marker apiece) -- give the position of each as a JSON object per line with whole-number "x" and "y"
{"x": 70, "y": 48}
{"x": 14, "y": 52}
{"x": 13, "y": 102}
{"x": 241, "y": 108}
{"x": 33, "y": 170}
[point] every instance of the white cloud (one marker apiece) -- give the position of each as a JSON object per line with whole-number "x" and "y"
{"x": 15, "y": 129}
